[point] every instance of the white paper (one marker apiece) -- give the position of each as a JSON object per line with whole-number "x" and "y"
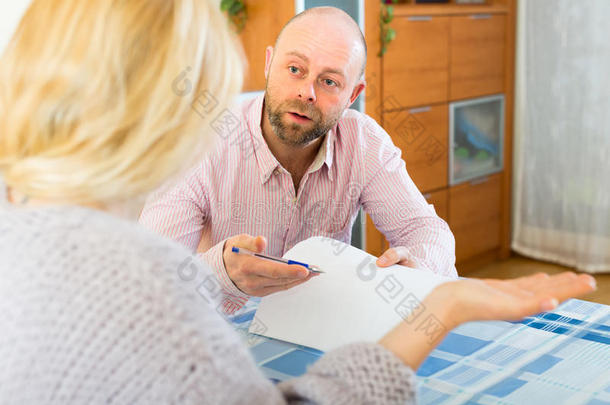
{"x": 353, "y": 301}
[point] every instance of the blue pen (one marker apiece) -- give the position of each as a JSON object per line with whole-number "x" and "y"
{"x": 311, "y": 268}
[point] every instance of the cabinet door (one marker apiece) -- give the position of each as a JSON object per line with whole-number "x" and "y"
{"x": 421, "y": 134}
{"x": 440, "y": 200}
{"x": 415, "y": 67}
{"x": 477, "y": 55}
{"x": 474, "y": 216}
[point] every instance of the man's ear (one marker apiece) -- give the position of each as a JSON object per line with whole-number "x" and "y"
{"x": 268, "y": 58}
{"x": 357, "y": 91}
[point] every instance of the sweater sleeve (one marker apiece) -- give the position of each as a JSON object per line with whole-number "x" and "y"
{"x": 360, "y": 373}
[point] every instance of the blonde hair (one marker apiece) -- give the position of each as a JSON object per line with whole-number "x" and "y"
{"x": 103, "y": 100}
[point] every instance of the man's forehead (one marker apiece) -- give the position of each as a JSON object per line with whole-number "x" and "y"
{"x": 320, "y": 47}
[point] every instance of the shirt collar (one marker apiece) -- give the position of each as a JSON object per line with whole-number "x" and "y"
{"x": 267, "y": 163}
{"x": 325, "y": 154}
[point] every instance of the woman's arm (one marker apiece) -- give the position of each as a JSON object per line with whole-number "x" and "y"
{"x": 363, "y": 372}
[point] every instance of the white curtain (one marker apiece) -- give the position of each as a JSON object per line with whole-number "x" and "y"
{"x": 562, "y": 133}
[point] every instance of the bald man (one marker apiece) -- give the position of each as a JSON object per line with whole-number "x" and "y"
{"x": 300, "y": 163}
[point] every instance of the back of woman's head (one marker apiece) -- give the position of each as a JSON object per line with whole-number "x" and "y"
{"x": 102, "y": 100}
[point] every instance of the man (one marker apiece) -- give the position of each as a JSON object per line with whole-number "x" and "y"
{"x": 301, "y": 164}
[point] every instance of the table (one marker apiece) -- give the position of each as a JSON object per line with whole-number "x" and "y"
{"x": 559, "y": 357}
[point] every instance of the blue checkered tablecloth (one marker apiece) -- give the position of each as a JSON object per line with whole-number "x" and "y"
{"x": 559, "y": 357}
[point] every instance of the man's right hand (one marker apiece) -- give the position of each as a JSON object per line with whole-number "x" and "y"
{"x": 259, "y": 277}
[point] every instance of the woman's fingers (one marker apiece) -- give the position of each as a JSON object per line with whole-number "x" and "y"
{"x": 548, "y": 292}
{"x": 516, "y": 298}
{"x": 563, "y": 285}
{"x": 532, "y": 280}
{"x": 509, "y": 287}
{"x": 567, "y": 285}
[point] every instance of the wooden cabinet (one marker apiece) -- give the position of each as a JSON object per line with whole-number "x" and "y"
{"x": 477, "y": 55}
{"x": 444, "y": 53}
{"x": 421, "y": 134}
{"x": 416, "y": 65}
{"x": 474, "y": 216}
{"x": 265, "y": 21}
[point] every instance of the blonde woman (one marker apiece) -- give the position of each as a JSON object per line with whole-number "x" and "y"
{"x": 94, "y": 309}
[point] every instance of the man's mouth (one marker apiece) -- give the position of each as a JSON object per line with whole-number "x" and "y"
{"x": 299, "y": 116}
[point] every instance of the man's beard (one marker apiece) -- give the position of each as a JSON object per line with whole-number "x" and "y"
{"x": 293, "y": 133}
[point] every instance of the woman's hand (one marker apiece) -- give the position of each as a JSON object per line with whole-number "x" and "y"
{"x": 457, "y": 302}
{"x": 514, "y": 299}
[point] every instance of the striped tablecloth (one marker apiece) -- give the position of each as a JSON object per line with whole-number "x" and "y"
{"x": 559, "y": 357}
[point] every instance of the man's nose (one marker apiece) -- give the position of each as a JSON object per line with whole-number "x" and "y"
{"x": 307, "y": 91}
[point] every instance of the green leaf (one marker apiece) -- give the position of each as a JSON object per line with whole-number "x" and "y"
{"x": 390, "y": 34}
{"x": 236, "y": 8}
{"x": 226, "y": 4}
{"x": 387, "y": 14}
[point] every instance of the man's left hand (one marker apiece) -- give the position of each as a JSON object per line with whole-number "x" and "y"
{"x": 398, "y": 255}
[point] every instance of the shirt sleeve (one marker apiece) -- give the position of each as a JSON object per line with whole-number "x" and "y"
{"x": 181, "y": 213}
{"x": 234, "y": 298}
{"x": 397, "y": 207}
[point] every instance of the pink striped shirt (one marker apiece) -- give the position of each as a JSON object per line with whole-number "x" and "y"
{"x": 241, "y": 188}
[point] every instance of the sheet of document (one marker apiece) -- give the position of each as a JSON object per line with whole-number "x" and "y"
{"x": 353, "y": 301}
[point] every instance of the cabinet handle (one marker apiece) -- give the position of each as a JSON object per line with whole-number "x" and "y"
{"x": 420, "y": 18}
{"x": 419, "y": 110}
{"x": 480, "y": 16}
{"x": 480, "y": 180}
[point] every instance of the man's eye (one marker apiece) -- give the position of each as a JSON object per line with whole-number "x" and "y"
{"x": 293, "y": 69}
{"x": 330, "y": 82}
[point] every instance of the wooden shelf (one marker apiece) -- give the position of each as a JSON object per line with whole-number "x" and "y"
{"x": 402, "y": 10}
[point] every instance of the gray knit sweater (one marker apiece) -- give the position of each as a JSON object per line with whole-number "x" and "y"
{"x": 95, "y": 309}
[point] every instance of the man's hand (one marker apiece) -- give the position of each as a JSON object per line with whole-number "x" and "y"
{"x": 260, "y": 277}
{"x": 398, "y": 255}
